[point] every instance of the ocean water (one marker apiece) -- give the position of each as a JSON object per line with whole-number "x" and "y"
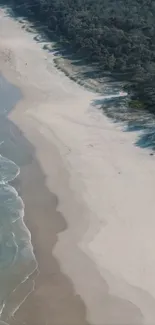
{"x": 17, "y": 260}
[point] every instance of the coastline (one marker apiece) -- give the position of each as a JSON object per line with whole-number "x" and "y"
{"x": 54, "y": 299}
{"x": 18, "y": 265}
{"x": 89, "y": 167}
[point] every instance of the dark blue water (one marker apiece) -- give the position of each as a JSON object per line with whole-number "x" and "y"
{"x": 17, "y": 261}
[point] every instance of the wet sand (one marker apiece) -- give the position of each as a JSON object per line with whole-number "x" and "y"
{"x": 55, "y": 300}
{"x": 86, "y": 206}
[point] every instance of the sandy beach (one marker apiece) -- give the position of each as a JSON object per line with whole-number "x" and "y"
{"x": 88, "y": 194}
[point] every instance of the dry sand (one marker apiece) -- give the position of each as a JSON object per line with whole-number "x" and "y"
{"x": 89, "y": 195}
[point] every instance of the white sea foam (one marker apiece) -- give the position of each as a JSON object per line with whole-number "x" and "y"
{"x": 9, "y": 195}
{"x": 8, "y": 173}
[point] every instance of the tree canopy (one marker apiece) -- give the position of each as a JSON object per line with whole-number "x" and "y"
{"x": 118, "y": 34}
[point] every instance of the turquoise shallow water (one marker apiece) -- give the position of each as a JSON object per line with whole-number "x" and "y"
{"x": 17, "y": 261}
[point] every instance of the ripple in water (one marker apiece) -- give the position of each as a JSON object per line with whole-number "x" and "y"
{"x": 17, "y": 261}
{"x": 8, "y": 170}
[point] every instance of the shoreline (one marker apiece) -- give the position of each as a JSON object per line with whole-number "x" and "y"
{"x": 16, "y": 271}
{"x": 103, "y": 253}
{"x": 60, "y": 295}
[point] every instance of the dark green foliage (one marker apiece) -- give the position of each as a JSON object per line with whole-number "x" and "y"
{"x": 118, "y": 34}
{"x": 136, "y": 104}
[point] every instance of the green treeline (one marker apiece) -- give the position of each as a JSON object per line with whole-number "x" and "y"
{"x": 118, "y": 34}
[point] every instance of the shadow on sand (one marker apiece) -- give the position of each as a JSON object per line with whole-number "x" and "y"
{"x": 54, "y": 300}
{"x": 86, "y": 75}
{"x": 82, "y": 70}
{"x": 132, "y": 120}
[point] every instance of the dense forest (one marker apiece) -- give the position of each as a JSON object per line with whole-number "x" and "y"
{"x": 117, "y": 34}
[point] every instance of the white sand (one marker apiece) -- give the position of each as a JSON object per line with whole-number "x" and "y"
{"x": 105, "y": 185}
